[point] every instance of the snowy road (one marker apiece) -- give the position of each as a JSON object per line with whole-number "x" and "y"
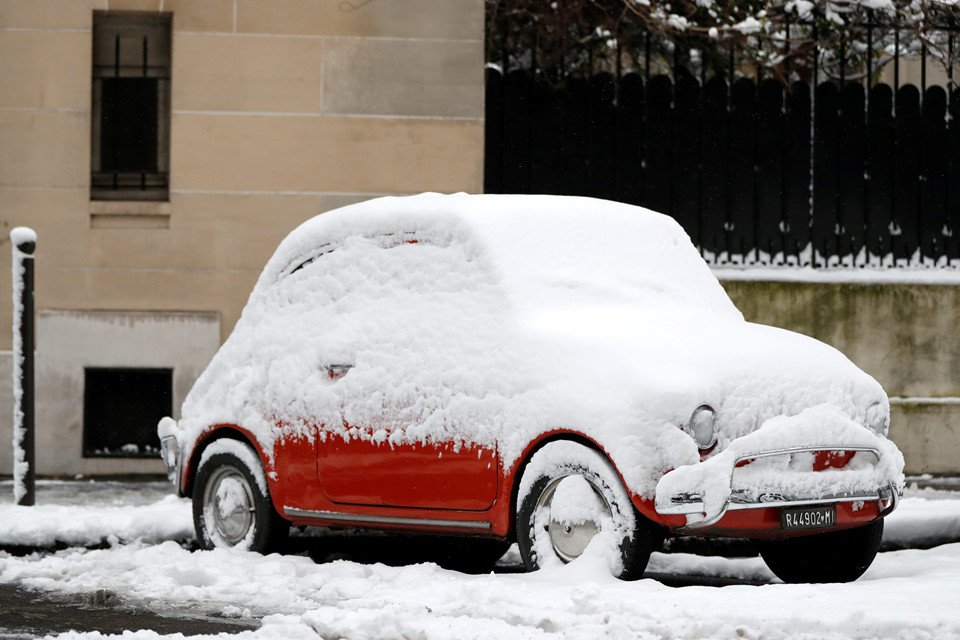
{"x": 912, "y": 593}
{"x": 906, "y": 594}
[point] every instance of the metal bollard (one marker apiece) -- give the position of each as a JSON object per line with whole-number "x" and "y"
{"x": 23, "y": 241}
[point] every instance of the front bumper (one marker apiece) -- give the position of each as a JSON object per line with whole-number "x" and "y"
{"x": 700, "y": 516}
{"x": 742, "y": 488}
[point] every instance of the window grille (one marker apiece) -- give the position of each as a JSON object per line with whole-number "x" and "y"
{"x": 130, "y": 124}
{"x": 121, "y": 408}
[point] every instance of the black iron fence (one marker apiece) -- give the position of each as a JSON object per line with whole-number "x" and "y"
{"x": 757, "y": 170}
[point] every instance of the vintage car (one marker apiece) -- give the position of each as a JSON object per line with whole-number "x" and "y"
{"x": 562, "y": 372}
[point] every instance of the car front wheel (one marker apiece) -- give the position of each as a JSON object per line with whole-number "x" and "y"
{"x": 231, "y": 501}
{"x": 570, "y": 498}
{"x": 837, "y": 556}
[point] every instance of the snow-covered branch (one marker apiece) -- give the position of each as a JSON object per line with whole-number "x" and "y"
{"x": 787, "y": 37}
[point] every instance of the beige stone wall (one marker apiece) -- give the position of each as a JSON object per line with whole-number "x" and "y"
{"x": 907, "y": 336}
{"x": 280, "y": 110}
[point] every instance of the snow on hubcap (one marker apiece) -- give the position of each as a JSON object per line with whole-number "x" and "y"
{"x": 228, "y": 502}
{"x": 577, "y": 509}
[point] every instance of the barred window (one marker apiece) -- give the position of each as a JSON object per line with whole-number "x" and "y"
{"x": 130, "y": 123}
{"x": 121, "y": 408}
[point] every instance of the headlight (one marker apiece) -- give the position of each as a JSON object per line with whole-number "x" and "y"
{"x": 877, "y": 419}
{"x": 169, "y": 451}
{"x": 702, "y": 426}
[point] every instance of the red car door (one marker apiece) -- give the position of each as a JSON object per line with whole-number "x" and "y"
{"x": 363, "y": 472}
{"x": 364, "y": 467}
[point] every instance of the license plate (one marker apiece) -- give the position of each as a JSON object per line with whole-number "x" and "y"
{"x": 808, "y": 517}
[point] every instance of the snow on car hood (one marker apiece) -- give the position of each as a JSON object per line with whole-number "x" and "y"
{"x": 655, "y": 368}
{"x": 491, "y": 319}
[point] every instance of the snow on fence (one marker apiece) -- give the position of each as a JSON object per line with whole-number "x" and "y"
{"x": 23, "y": 241}
{"x": 845, "y": 172}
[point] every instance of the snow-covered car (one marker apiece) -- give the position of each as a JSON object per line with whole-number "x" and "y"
{"x": 554, "y": 371}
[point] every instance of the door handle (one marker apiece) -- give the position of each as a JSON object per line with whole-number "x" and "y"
{"x": 337, "y": 371}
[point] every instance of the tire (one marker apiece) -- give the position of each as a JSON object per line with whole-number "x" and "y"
{"x": 470, "y": 555}
{"x": 568, "y": 496}
{"x": 838, "y": 556}
{"x": 231, "y": 501}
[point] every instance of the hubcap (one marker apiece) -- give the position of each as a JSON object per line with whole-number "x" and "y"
{"x": 577, "y": 507}
{"x": 228, "y": 504}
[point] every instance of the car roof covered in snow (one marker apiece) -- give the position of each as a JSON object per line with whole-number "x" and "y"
{"x": 584, "y": 248}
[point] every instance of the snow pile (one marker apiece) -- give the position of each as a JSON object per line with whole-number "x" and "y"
{"x": 819, "y": 426}
{"x": 19, "y": 236}
{"x": 47, "y": 525}
{"x": 906, "y": 594}
{"x": 575, "y": 502}
{"x": 920, "y": 522}
{"x": 491, "y": 319}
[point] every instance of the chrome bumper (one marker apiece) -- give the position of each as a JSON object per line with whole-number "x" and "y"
{"x": 692, "y": 505}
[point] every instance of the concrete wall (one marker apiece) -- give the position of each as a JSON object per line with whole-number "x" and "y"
{"x": 907, "y": 336}
{"x": 280, "y": 110}
{"x": 69, "y": 341}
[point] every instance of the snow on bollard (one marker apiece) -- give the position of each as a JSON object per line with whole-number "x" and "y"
{"x": 23, "y": 241}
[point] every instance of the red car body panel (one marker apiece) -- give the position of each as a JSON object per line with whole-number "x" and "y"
{"x": 419, "y": 476}
{"x": 407, "y": 482}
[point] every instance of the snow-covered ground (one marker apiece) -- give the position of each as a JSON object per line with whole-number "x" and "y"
{"x": 912, "y": 593}
{"x": 93, "y": 513}
{"x": 76, "y": 513}
{"x": 906, "y": 594}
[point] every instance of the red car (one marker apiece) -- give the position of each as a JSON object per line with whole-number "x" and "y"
{"x": 555, "y": 371}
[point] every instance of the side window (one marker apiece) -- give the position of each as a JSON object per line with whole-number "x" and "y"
{"x": 307, "y": 259}
{"x": 385, "y": 241}
{"x": 130, "y": 123}
{"x": 374, "y": 270}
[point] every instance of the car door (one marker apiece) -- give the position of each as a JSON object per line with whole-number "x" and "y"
{"x": 396, "y": 380}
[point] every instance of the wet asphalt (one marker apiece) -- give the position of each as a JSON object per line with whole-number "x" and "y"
{"x": 31, "y": 614}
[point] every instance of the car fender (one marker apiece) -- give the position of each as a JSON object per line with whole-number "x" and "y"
{"x": 513, "y": 475}
{"x": 234, "y": 432}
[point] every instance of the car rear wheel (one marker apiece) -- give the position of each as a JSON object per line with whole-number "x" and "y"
{"x": 231, "y": 501}
{"x": 837, "y": 556}
{"x": 570, "y": 498}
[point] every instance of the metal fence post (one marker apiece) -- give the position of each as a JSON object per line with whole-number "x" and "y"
{"x": 23, "y": 242}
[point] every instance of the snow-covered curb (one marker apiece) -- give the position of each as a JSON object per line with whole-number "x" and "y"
{"x": 49, "y": 525}
{"x": 933, "y": 276}
{"x": 919, "y": 523}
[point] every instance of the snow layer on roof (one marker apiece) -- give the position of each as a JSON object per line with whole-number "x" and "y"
{"x": 491, "y": 319}
{"x": 553, "y": 249}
